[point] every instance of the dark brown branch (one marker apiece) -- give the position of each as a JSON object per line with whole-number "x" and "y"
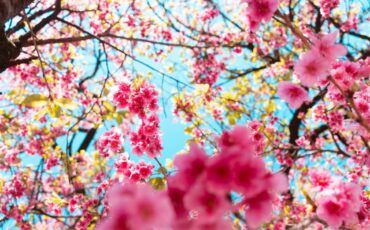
{"x": 21, "y": 24}
{"x": 42, "y": 24}
{"x": 10, "y": 51}
{"x": 20, "y": 61}
{"x": 87, "y": 141}
{"x": 316, "y": 133}
{"x": 11, "y": 8}
{"x": 296, "y": 121}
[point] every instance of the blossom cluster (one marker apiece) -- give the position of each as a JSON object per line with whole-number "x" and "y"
{"x": 340, "y": 204}
{"x": 207, "y": 68}
{"x": 110, "y": 142}
{"x": 141, "y": 99}
{"x": 327, "y": 6}
{"x": 131, "y": 171}
{"x": 312, "y": 68}
{"x": 260, "y": 10}
{"x": 201, "y": 193}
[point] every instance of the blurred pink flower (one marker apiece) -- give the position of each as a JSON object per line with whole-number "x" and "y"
{"x": 311, "y": 68}
{"x": 190, "y": 166}
{"x": 321, "y": 179}
{"x": 209, "y": 206}
{"x": 341, "y": 205}
{"x": 262, "y": 9}
{"x": 219, "y": 173}
{"x": 259, "y": 209}
{"x": 293, "y": 94}
{"x": 327, "y": 48}
{"x": 138, "y": 206}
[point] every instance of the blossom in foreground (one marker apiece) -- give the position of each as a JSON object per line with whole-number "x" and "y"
{"x": 341, "y": 205}
{"x": 208, "y": 205}
{"x": 191, "y": 166}
{"x": 315, "y": 65}
{"x": 293, "y": 94}
{"x": 327, "y": 48}
{"x": 210, "y": 180}
{"x": 311, "y": 68}
{"x": 199, "y": 193}
{"x": 137, "y": 206}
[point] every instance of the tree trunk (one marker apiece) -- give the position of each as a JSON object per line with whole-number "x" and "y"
{"x": 10, "y": 8}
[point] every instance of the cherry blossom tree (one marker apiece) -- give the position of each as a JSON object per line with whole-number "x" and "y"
{"x": 274, "y": 96}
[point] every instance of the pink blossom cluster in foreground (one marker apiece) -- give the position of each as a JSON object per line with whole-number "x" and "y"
{"x": 340, "y": 204}
{"x": 200, "y": 193}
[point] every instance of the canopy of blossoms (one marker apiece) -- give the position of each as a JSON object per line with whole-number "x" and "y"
{"x": 272, "y": 97}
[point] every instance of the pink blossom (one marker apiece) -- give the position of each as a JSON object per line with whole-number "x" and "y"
{"x": 122, "y": 164}
{"x": 238, "y": 140}
{"x": 277, "y": 182}
{"x": 209, "y": 14}
{"x": 259, "y": 206}
{"x": 321, "y": 179}
{"x": 352, "y": 193}
{"x": 209, "y": 206}
{"x": 176, "y": 194}
{"x": 249, "y": 176}
{"x": 259, "y": 10}
{"x": 311, "y": 68}
{"x": 259, "y": 209}
{"x": 139, "y": 100}
{"x": 364, "y": 69}
{"x": 138, "y": 206}
{"x": 122, "y": 95}
{"x": 334, "y": 211}
{"x": 147, "y": 138}
{"x": 109, "y": 143}
{"x": 219, "y": 173}
{"x": 341, "y": 205}
{"x": 293, "y": 94}
{"x": 135, "y": 173}
{"x": 207, "y": 70}
{"x": 327, "y": 5}
{"x": 327, "y": 48}
{"x": 190, "y": 166}
{"x": 145, "y": 169}
{"x": 345, "y": 74}
{"x": 253, "y": 23}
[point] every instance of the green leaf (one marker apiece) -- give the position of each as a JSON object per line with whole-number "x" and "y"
{"x": 55, "y": 110}
{"x": 35, "y": 100}
{"x": 66, "y": 103}
{"x": 40, "y": 113}
{"x": 109, "y": 106}
{"x": 108, "y": 117}
{"x": 232, "y": 119}
{"x": 120, "y": 116}
{"x": 158, "y": 183}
